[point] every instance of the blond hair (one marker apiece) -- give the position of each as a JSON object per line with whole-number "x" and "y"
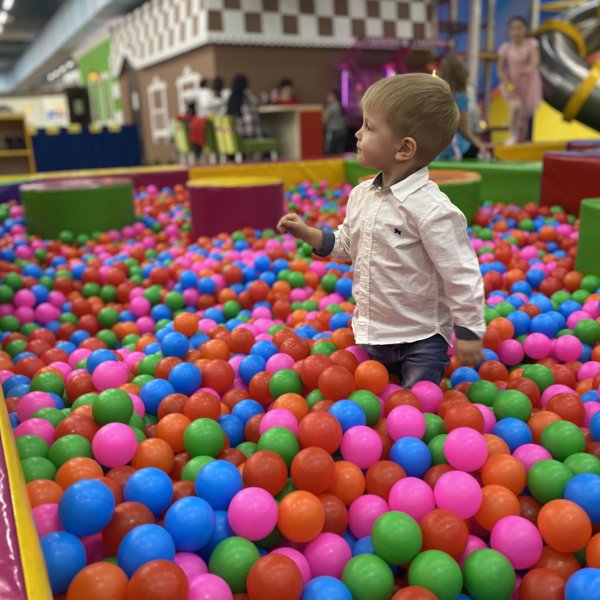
{"x": 416, "y": 105}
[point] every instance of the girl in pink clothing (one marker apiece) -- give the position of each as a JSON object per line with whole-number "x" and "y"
{"x": 521, "y": 84}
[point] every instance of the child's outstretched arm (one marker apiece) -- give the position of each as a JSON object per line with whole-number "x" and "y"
{"x": 292, "y": 223}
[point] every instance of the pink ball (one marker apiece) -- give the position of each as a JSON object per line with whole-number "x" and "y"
{"x": 458, "y": 492}
{"x": 209, "y": 587}
{"x": 588, "y": 370}
{"x": 95, "y": 549}
{"x": 591, "y": 408}
{"x": 278, "y": 362}
{"x": 363, "y": 513}
{"x": 412, "y": 496}
{"x": 110, "y": 374}
{"x": 406, "y": 421}
{"x": 25, "y": 314}
{"x": 252, "y": 513}
{"x": 114, "y": 444}
{"x": 24, "y": 298}
{"x": 519, "y": 540}
{"x": 529, "y": 454}
{"x": 567, "y": 347}
{"x": 45, "y": 518}
{"x": 32, "y": 402}
{"x": 359, "y": 353}
{"x": 489, "y": 418}
{"x": 389, "y": 389}
{"x": 362, "y": 446}
{"x": 78, "y": 355}
{"x": 299, "y": 559}
{"x": 278, "y": 417}
{"x": 537, "y": 345}
{"x": 35, "y": 426}
{"x": 575, "y": 317}
{"x": 553, "y": 390}
{"x": 465, "y": 449}
{"x": 328, "y": 554}
{"x": 429, "y": 394}
{"x": 473, "y": 544}
{"x": 510, "y": 352}
{"x": 138, "y": 404}
{"x": 191, "y": 564}
{"x": 140, "y": 306}
{"x": 46, "y": 312}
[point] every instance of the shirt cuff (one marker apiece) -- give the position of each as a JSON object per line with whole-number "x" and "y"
{"x": 462, "y": 333}
{"x": 327, "y": 244}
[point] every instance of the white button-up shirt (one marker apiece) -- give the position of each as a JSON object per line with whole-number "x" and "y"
{"x": 415, "y": 271}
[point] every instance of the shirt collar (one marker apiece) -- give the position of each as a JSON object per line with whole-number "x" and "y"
{"x": 407, "y": 186}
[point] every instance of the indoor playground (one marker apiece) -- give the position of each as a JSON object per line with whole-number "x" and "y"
{"x": 185, "y": 411}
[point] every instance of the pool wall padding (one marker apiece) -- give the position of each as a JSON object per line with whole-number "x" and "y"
{"x": 588, "y": 247}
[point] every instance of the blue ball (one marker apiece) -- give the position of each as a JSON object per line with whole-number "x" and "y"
{"x": 65, "y": 556}
{"x": 514, "y": 432}
{"x": 86, "y": 507}
{"x": 413, "y": 455}
{"x": 143, "y": 544}
{"x": 463, "y": 374}
{"x": 521, "y": 322}
{"x": 151, "y": 487}
{"x": 244, "y": 410}
{"x": 233, "y": 428}
{"x": 583, "y": 585}
{"x": 349, "y": 537}
{"x": 590, "y": 396}
{"x": 97, "y": 357}
{"x": 363, "y": 545}
{"x": 188, "y": 279}
{"x": 221, "y": 532}
{"x": 323, "y": 587}
{"x": 219, "y": 483}
{"x": 535, "y": 277}
{"x": 520, "y": 287}
{"x": 542, "y": 302}
{"x": 595, "y": 427}
{"x": 153, "y": 392}
{"x": 191, "y": 523}
{"x": 175, "y": 344}
{"x": 544, "y": 323}
{"x": 344, "y": 287}
{"x": 250, "y": 366}
{"x": 339, "y": 320}
{"x": 264, "y": 348}
{"x": 152, "y": 348}
{"x": 348, "y": 413}
{"x": 584, "y": 489}
{"x": 14, "y": 381}
{"x": 185, "y": 378}
{"x": 568, "y": 306}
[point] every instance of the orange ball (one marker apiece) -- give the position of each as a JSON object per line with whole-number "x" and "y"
{"x": 505, "y": 470}
{"x": 312, "y": 469}
{"x": 592, "y": 552}
{"x": 371, "y": 375}
{"x": 99, "y": 581}
{"x": 301, "y": 516}
{"x": 274, "y": 577}
{"x": 336, "y": 383}
{"x": 186, "y": 323}
{"x": 44, "y": 491}
{"x": 293, "y": 402}
{"x": 154, "y": 452}
{"x": 171, "y": 429}
{"x": 564, "y": 525}
{"x": 498, "y": 502}
{"x": 158, "y": 580}
{"x": 76, "y": 469}
{"x": 218, "y": 374}
{"x": 348, "y": 482}
{"x": 542, "y": 584}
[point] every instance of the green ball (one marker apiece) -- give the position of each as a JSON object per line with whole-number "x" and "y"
{"x": 28, "y": 328}
{"x": 580, "y": 296}
{"x": 325, "y": 348}
{"x": 10, "y": 323}
{"x": 559, "y": 297}
{"x": 112, "y": 406}
{"x": 368, "y": 577}
{"x": 85, "y": 399}
{"x": 489, "y": 575}
{"x": 504, "y": 308}
{"x": 136, "y": 421}
{"x": 194, "y": 466}
{"x": 582, "y": 462}
{"x": 13, "y": 281}
{"x": 288, "y": 488}
{"x": 547, "y": 480}
{"x": 436, "y": 448}
{"x": 437, "y": 572}
{"x": 147, "y": 366}
{"x": 512, "y": 403}
{"x": 37, "y": 467}
{"x": 231, "y": 308}
{"x": 563, "y": 438}
{"x": 396, "y": 537}
{"x": 67, "y": 447}
{"x": 588, "y": 331}
{"x": 31, "y": 445}
{"x": 282, "y": 441}
{"x": 542, "y": 376}
{"x": 150, "y": 419}
{"x": 370, "y": 403}
{"x": 91, "y": 289}
{"x": 108, "y": 337}
{"x": 108, "y": 293}
{"x": 489, "y": 314}
{"x": 152, "y": 294}
{"x": 142, "y": 380}
{"x": 50, "y": 414}
{"x": 483, "y": 392}
{"x": 174, "y": 300}
{"x": 434, "y": 426}
{"x": 590, "y": 283}
{"x": 6, "y": 294}
{"x": 285, "y": 381}
{"x": 203, "y": 437}
{"x": 269, "y": 542}
{"x": 232, "y": 560}
{"x": 296, "y": 279}
{"x": 314, "y": 397}
{"x": 66, "y": 236}
{"x": 48, "y": 382}
{"x": 328, "y": 282}
{"x": 526, "y": 225}
{"x": 108, "y": 317}
{"x": 69, "y": 318}
{"x": 247, "y": 448}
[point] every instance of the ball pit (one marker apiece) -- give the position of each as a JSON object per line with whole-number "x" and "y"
{"x": 194, "y": 416}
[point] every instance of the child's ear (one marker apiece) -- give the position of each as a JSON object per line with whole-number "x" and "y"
{"x": 406, "y": 150}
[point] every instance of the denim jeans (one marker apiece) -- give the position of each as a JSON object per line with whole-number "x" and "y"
{"x": 416, "y": 361}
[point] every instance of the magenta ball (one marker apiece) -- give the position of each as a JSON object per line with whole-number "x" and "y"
{"x": 110, "y": 374}
{"x": 553, "y": 390}
{"x": 568, "y": 347}
{"x": 35, "y": 426}
{"x": 45, "y": 518}
{"x": 458, "y": 492}
{"x": 465, "y": 449}
{"x": 253, "y": 513}
{"x": 363, "y": 513}
{"x": 299, "y": 559}
{"x": 529, "y": 454}
{"x": 519, "y": 540}
{"x": 95, "y": 549}
{"x": 362, "y": 446}
{"x": 209, "y": 587}
{"x": 114, "y": 444}
{"x": 328, "y": 554}
{"x": 412, "y": 496}
{"x": 406, "y": 421}
{"x": 278, "y": 417}
{"x": 32, "y": 402}
{"x": 510, "y": 352}
{"x": 278, "y": 362}
{"x": 429, "y": 394}
{"x": 537, "y": 346}
{"x": 489, "y": 418}
{"x": 191, "y": 564}
{"x": 588, "y": 370}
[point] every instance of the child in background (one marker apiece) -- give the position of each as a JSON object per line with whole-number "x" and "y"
{"x": 336, "y": 126}
{"x": 243, "y": 105}
{"x": 521, "y": 83}
{"x": 416, "y": 276}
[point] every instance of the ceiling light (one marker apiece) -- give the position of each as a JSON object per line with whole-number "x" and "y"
{"x": 8, "y": 4}
{"x": 3, "y": 17}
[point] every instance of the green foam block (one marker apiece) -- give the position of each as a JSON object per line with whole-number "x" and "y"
{"x": 588, "y": 247}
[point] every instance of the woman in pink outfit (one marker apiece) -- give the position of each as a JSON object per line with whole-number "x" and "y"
{"x": 521, "y": 84}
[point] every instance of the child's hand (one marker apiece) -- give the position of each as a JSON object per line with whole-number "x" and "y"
{"x": 469, "y": 352}
{"x": 292, "y": 223}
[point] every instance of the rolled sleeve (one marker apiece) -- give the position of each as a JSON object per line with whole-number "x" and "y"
{"x": 446, "y": 241}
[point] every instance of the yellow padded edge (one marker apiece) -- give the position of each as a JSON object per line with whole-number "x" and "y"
{"x": 582, "y": 93}
{"x": 32, "y": 560}
{"x": 566, "y": 29}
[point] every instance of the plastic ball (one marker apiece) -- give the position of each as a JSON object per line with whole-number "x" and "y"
{"x": 64, "y": 555}
{"x": 86, "y": 507}
{"x": 114, "y": 444}
{"x": 143, "y": 544}
{"x": 252, "y": 513}
{"x": 191, "y": 523}
{"x": 519, "y": 540}
{"x": 458, "y": 492}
